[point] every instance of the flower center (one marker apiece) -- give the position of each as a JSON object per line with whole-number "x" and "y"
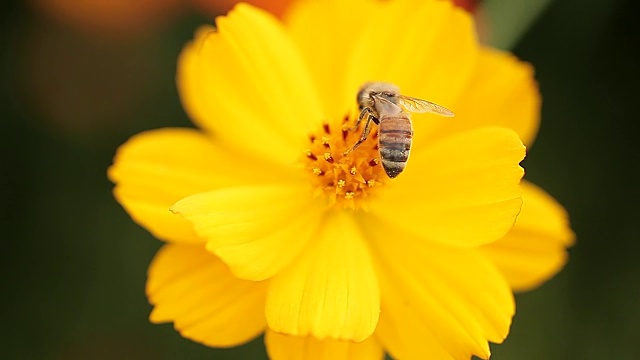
{"x": 346, "y": 180}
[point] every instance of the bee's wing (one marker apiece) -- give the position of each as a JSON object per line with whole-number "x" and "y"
{"x": 421, "y": 106}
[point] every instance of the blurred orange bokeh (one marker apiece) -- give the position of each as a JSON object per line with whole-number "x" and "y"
{"x": 470, "y": 5}
{"x": 213, "y": 7}
{"x": 127, "y": 17}
{"x": 78, "y": 79}
{"x": 112, "y": 17}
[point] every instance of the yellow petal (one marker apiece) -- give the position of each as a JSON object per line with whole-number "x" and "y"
{"x": 535, "y": 249}
{"x": 438, "y": 301}
{"x": 248, "y": 84}
{"x": 501, "y": 92}
{"x": 463, "y": 190}
{"x": 189, "y": 76}
{"x": 427, "y": 48}
{"x": 330, "y": 290}
{"x": 326, "y": 46}
{"x": 156, "y": 168}
{"x": 287, "y": 347}
{"x": 195, "y": 290}
{"x": 255, "y": 230}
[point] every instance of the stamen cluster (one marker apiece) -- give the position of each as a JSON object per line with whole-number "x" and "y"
{"x": 344, "y": 179}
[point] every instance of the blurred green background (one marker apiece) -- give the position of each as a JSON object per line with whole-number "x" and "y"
{"x": 74, "y": 264}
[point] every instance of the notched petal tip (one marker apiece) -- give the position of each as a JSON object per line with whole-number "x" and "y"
{"x": 449, "y": 301}
{"x": 253, "y": 59}
{"x": 181, "y": 206}
{"x": 463, "y": 190}
{"x": 195, "y": 290}
{"x": 155, "y": 168}
{"x": 256, "y": 230}
{"x": 331, "y": 291}
{"x": 536, "y": 248}
{"x": 502, "y": 91}
{"x": 286, "y": 347}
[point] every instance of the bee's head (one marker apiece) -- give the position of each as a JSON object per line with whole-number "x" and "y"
{"x": 364, "y": 98}
{"x": 369, "y": 90}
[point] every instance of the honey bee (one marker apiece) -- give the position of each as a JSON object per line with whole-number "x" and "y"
{"x": 382, "y": 103}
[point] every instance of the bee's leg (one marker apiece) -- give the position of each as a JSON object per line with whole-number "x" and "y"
{"x": 365, "y": 111}
{"x": 365, "y": 132}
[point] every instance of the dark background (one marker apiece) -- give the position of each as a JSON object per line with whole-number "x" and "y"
{"x": 74, "y": 264}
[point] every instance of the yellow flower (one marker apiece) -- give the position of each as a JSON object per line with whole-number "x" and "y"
{"x": 271, "y": 229}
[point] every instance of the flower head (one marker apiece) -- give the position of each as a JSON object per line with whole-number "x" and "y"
{"x": 274, "y": 225}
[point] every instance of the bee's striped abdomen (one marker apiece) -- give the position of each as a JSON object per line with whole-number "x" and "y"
{"x": 394, "y": 141}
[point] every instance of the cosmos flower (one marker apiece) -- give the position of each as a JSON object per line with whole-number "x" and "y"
{"x": 271, "y": 229}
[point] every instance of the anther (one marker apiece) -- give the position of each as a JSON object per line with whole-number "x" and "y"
{"x": 341, "y": 183}
{"x": 374, "y": 162}
{"x": 311, "y": 156}
{"x": 345, "y": 133}
{"x": 328, "y": 158}
{"x": 318, "y": 171}
{"x": 349, "y": 195}
{"x": 312, "y": 138}
{"x": 371, "y": 183}
{"x": 326, "y": 128}
{"x": 353, "y": 170}
{"x": 325, "y": 141}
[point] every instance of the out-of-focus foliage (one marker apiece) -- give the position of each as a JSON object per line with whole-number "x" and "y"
{"x": 510, "y": 19}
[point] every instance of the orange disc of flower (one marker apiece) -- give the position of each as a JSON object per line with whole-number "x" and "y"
{"x": 275, "y": 225}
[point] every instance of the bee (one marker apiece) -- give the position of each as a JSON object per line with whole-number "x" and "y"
{"x": 382, "y": 103}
